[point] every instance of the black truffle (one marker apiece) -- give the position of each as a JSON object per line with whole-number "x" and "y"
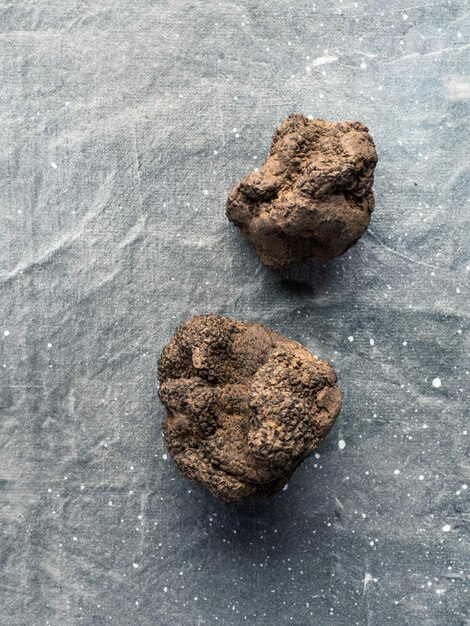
{"x": 312, "y": 197}
{"x": 245, "y": 406}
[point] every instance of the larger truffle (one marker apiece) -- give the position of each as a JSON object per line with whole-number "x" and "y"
{"x": 245, "y": 406}
{"x": 312, "y": 197}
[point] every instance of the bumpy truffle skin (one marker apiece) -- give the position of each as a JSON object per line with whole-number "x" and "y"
{"x": 245, "y": 406}
{"x": 312, "y": 197}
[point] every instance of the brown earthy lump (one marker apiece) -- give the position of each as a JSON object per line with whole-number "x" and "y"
{"x": 245, "y": 406}
{"x": 312, "y": 197}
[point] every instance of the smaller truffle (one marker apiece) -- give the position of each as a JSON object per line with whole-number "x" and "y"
{"x": 312, "y": 197}
{"x": 244, "y": 405}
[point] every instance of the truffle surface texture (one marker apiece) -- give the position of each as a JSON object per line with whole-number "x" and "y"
{"x": 244, "y": 405}
{"x": 312, "y": 197}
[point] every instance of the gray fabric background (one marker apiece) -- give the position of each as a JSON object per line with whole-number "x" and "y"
{"x": 124, "y": 124}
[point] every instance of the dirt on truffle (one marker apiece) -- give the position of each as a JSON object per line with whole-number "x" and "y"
{"x": 312, "y": 197}
{"x": 245, "y": 406}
